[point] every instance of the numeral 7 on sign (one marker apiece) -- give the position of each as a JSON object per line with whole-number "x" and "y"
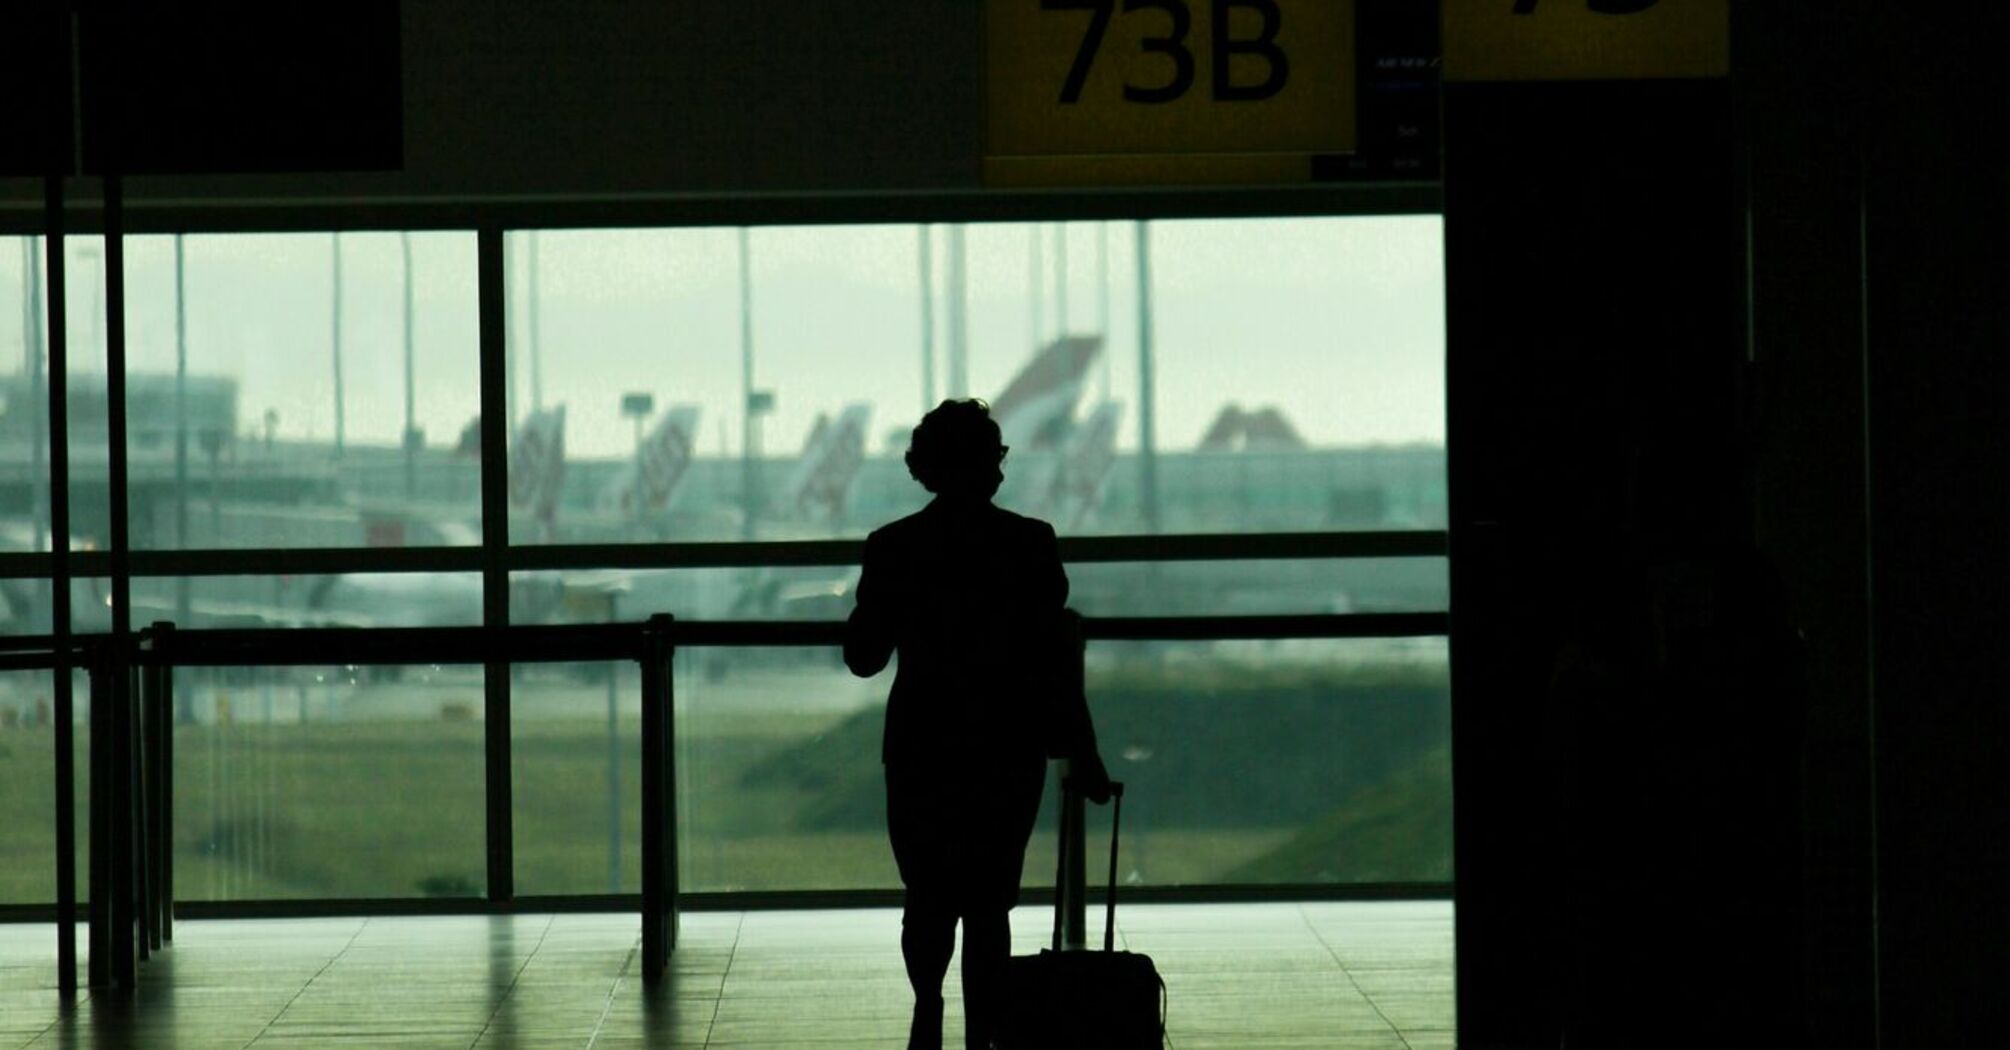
{"x": 1099, "y": 24}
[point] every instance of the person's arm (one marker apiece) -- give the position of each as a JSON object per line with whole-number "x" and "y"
{"x": 1078, "y": 730}
{"x": 868, "y": 634}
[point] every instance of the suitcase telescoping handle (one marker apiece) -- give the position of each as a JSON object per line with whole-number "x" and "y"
{"x": 1068, "y": 839}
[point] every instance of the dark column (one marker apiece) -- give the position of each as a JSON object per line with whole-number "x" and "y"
{"x": 659, "y": 800}
{"x": 493, "y": 317}
{"x": 1594, "y": 270}
{"x": 1937, "y": 324}
{"x": 1797, "y": 71}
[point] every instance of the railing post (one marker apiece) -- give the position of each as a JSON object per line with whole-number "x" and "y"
{"x": 1073, "y": 891}
{"x": 113, "y": 960}
{"x": 1074, "y": 872}
{"x": 139, "y": 717}
{"x": 164, "y": 726}
{"x": 156, "y": 714}
{"x": 66, "y": 818}
{"x": 659, "y": 799}
{"x": 121, "y": 874}
{"x": 98, "y": 911}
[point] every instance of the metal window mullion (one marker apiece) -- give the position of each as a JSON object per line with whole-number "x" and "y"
{"x": 692, "y": 210}
{"x": 299, "y": 561}
{"x": 493, "y": 315}
{"x": 1074, "y": 550}
{"x": 58, "y": 391}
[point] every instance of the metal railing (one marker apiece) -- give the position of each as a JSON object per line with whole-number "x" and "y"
{"x": 131, "y": 889}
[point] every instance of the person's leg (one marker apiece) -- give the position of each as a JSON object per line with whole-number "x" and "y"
{"x": 927, "y": 940}
{"x": 1008, "y": 810}
{"x": 928, "y": 915}
{"x": 987, "y": 946}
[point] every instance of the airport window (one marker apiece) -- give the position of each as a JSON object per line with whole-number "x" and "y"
{"x": 294, "y": 390}
{"x": 726, "y": 384}
{"x": 1219, "y": 378}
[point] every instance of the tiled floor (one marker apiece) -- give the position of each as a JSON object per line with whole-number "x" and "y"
{"x": 1340, "y": 976}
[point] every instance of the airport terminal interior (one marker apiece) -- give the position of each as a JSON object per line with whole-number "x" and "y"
{"x": 1518, "y": 472}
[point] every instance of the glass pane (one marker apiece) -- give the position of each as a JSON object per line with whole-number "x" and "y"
{"x": 1095, "y": 589}
{"x": 28, "y": 781}
{"x": 276, "y": 398}
{"x": 329, "y": 782}
{"x": 576, "y": 760}
{"x": 1249, "y": 588}
{"x": 26, "y": 605}
{"x": 1280, "y": 762}
{"x": 90, "y": 509}
{"x": 1297, "y": 375}
{"x": 24, "y": 427}
{"x": 778, "y": 774}
{"x": 1310, "y": 761}
{"x": 411, "y": 599}
{"x": 743, "y": 824}
{"x": 1298, "y": 761}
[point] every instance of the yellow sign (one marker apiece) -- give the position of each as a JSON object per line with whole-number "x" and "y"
{"x": 1120, "y": 90}
{"x": 1586, "y": 39}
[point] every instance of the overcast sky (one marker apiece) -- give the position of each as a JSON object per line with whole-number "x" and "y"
{"x": 1337, "y": 322}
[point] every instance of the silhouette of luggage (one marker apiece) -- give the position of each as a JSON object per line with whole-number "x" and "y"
{"x": 1106, "y": 1000}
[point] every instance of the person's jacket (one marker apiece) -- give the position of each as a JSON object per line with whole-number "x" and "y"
{"x": 971, "y": 597}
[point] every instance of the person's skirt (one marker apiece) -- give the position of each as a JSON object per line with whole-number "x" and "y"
{"x": 959, "y": 834}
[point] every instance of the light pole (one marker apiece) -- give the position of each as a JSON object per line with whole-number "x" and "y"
{"x": 637, "y": 405}
{"x": 412, "y": 438}
{"x": 927, "y": 251}
{"x": 1103, "y": 299}
{"x": 613, "y": 764}
{"x": 181, "y": 590}
{"x": 536, "y": 332}
{"x": 1036, "y": 322}
{"x": 31, "y": 349}
{"x": 334, "y": 327}
{"x": 1148, "y": 464}
{"x": 749, "y": 464}
{"x": 1061, "y": 280}
{"x": 958, "y": 292}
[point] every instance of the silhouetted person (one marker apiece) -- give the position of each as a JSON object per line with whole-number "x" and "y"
{"x": 971, "y": 597}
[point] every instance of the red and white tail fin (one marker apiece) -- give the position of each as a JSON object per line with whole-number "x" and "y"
{"x": 1038, "y": 405}
{"x": 1091, "y": 450}
{"x": 832, "y": 456}
{"x": 661, "y": 461}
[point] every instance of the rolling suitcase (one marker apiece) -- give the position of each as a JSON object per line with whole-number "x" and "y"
{"x": 1106, "y": 1000}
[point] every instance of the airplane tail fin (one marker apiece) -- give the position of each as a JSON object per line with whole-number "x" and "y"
{"x": 831, "y": 460}
{"x": 537, "y": 464}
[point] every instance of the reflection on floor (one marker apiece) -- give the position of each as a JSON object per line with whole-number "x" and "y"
{"x": 1264, "y": 975}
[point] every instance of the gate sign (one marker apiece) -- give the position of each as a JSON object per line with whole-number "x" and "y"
{"x": 1586, "y": 39}
{"x": 1071, "y": 82}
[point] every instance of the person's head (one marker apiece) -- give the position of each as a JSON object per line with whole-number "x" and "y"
{"x": 955, "y": 452}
